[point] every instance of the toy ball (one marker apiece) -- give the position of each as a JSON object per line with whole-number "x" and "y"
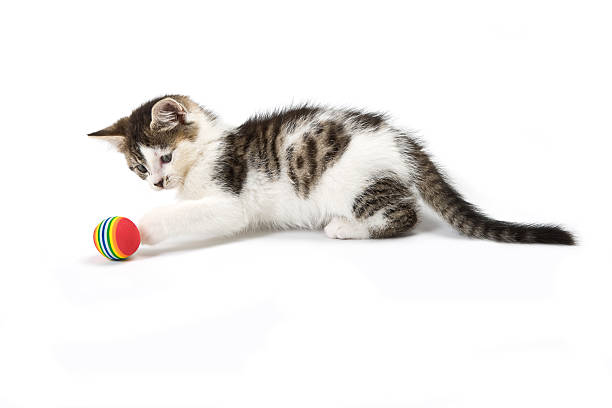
{"x": 116, "y": 238}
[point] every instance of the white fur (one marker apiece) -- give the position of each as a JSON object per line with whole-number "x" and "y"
{"x": 342, "y": 228}
{"x": 206, "y": 210}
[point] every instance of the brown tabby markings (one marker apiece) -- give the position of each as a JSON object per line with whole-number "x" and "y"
{"x": 137, "y": 131}
{"x": 256, "y": 144}
{"x": 395, "y": 200}
{"x": 315, "y": 152}
{"x": 372, "y": 121}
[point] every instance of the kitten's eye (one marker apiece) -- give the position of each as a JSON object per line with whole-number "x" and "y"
{"x": 166, "y": 158}
{"x": 141, "y": 168}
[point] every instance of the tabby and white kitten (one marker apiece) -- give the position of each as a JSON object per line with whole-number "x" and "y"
{"x": 348, "y": 171}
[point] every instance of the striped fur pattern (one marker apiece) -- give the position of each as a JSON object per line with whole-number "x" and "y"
{"x": 348, "y": 171}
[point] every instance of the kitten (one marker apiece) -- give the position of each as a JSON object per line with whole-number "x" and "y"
{"x": 348, "y": 171}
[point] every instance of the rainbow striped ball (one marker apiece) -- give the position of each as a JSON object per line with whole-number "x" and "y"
{"x": 116, "y": 238}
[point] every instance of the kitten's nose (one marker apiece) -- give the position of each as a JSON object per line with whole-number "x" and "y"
{"x": 160, "y": 183}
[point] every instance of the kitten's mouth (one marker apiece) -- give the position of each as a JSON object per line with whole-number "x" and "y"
{"x": 161, "y": 184}
{"x": 166, "y": 183}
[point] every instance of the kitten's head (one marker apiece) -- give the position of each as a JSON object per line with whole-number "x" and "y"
{"x": 158, "y": 139}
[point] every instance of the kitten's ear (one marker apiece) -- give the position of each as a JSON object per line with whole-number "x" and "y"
{"x": 167, "y": 114}
{"x": 114, "y": 134}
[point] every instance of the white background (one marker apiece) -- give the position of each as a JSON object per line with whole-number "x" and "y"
{"x": 513, "y": 98}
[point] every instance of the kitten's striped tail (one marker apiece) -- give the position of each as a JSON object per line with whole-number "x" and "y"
{"x": 468, "y": 219}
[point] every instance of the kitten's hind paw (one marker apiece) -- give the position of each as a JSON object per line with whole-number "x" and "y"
{"x": 341, "y": 228}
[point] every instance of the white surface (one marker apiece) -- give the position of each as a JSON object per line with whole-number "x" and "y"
{"x": 513, "y": 99}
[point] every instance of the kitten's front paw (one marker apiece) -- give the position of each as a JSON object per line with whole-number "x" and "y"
{"x": 152, "y": 228}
